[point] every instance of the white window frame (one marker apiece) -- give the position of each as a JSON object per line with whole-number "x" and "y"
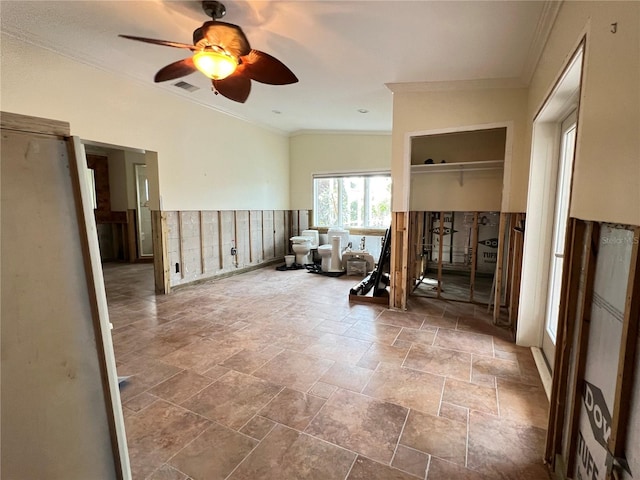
{"x": 340, "y": 175}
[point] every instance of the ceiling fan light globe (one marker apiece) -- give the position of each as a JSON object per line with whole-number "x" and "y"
{"x": 215, "y": 65}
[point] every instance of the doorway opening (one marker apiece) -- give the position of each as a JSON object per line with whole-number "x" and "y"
{"x": 555, "y": 130}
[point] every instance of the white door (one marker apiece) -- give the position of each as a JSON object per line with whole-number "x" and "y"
{"x": 561, "y": 214}
{"x": 145, "y": 238}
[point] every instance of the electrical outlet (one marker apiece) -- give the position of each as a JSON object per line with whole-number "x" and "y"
{"x": 234, "y": 251}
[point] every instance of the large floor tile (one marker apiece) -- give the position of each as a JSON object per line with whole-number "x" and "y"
{"x": 292, "y": 408}
{"x": 233, "y": 399}
{"x": 294, "y": 370}
{"x": 338, "y": 348}
{"x": 350, "y": 377}
{"x": 472, "y": 396}
{"x": 365, "y": 469}
{"x": 439, "y": 436}
{"x": 158, "y": 432}
{"x": 464, "y": 341}
{"x": 522, "y": 403}
{"x": 361, "y": 424}
{"x": 502, "y": 449}
{"x": 214, "y": 454}
{"x": 181, "y": 386}
{"x": 443, "y": 470}
{"x": 286, "y": 454}
{"x": 448, "y": 363}
{"x": 373, "y": 332}
{"x": 406, "y": 387}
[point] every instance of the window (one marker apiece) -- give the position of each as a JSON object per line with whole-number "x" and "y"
{"x": 356, "y": 201}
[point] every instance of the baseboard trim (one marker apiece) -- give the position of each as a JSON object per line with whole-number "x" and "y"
{"x": 543, "y": 370}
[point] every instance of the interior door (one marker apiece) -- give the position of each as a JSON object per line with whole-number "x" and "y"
{"x": 145, "y": 238}
{"x": 561, "y": 214}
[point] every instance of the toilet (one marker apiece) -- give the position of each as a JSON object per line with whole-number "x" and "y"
{"x": 331, "y": 253}
{"x": 303, "y": 244}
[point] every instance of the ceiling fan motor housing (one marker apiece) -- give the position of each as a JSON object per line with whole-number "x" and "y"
{"x": 214, "y": 9}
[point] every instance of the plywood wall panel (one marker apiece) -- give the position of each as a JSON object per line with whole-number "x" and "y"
{"x": 190, "y": 245}
{"x": 173, "y": 247}
{"x": 268, "y": 234}
{"x": 242, "y": 238}
{"x": 280, "y": 221}
{"x": 227, "y": 239}
{"x": 255, "y": 236}
{"x": 210, "y": 241}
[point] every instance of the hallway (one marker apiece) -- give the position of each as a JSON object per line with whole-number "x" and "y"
{"x": 274, "y": 375}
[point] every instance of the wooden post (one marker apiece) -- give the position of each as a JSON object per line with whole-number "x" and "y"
{"x": 474, "y": 256}
{"x": 399, "y": 256}
{"x": 516, "y": 274}
{"x": 202, "y": 249}
{"x": 161, "y": 267}
{"x": 497, "y": 297}
{"x": 132, "y": 246}
{"x": 627, "y": 357}
{"x": 441, "y": 239}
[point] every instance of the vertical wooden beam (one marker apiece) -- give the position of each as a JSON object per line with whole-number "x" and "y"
{"x": 398, "y": 267}
{"x": 474, "y": 256}
{"x": 220, "y": 238}
{"x": 583, "y": 319}
{"x": 440, "y": 241}
{"x": 180, "y": 245}
{"x": 508, "y": 274}
{"x": 161, "y": 265}
{"x": 132, "y": 244}
{"x": 203, "y": 266}
{"x": 497, "y": 297}
{"x": 627, "y": 357}
{"x": 514, "y": 301}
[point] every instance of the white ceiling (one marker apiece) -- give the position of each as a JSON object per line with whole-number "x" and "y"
{"x": 343, "y": 52}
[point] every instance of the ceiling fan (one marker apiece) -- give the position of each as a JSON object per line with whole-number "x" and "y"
{"x": 222, "y": 53}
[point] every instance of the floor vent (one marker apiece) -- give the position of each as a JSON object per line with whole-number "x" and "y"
{"x": 186, "y": 86}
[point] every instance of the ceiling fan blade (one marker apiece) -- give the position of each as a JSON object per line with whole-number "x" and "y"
{"x": 235, "y": 87}
{"x": 227, "y": 35}
{"x": 175, "y": 70}
{"x": 159, "y": 42}
{"x": 264, "y": 68}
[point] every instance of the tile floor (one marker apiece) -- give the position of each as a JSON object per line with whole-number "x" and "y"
{"x": 274, "y": 375}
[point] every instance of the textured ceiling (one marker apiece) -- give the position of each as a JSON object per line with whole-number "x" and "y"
{"x": 343, "y": 52}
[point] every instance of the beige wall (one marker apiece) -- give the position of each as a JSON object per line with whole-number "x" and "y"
{"x": 424, "y": 111}
{"x": 480, "y": 145}
{"x": 206, "y": 159}
{"x": 333, "y": 153}
{"x": 606, "y": 182}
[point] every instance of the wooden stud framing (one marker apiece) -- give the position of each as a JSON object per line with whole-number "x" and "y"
{"x": 511, "y": 253}
{"x": 399, "y": 257}
{"x": 132, "y": 246}
{"x": 583, "y": 318}
{"x": 516, "y": 273}
{"x": 440, "y": 249}
{"x": 220, "y": 245}
{"x": 474, "y": 256}
{"x": 497, "y": 297}
{"x": 627, "y": 356}
{"x": 161, "y": 267}
{"x": 180, "y": 236}
{"x": 203, "y": 267}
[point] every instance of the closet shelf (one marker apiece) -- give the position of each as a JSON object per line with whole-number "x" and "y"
{"x": 458, "y": 166}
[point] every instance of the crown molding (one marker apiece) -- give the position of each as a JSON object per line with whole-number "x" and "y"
{"x": 298, "y": 133}
{"x": 541, "y": 35}
{"x": 480, "y": 84}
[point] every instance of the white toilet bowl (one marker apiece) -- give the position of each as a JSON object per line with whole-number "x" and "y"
{"x": 301, "y": 246}
{"x": 325, "y": 257}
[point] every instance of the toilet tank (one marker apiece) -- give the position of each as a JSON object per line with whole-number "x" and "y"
{"x": 339, "y": 232}
{"x": 314, "y": 237}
